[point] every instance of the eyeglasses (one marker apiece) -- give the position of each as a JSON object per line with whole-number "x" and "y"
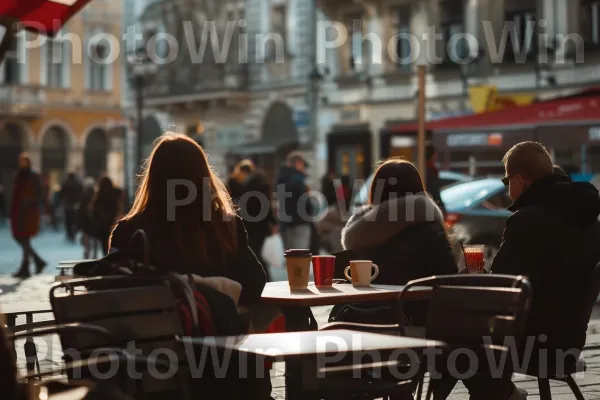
{"x": 506, "y": 180}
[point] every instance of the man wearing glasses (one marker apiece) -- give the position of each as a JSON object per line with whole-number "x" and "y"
{"x": 553, "y": 237}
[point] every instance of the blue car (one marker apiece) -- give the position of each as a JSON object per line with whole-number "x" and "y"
{"x": 477, "y": 213}
{"x": 447, "y": 178}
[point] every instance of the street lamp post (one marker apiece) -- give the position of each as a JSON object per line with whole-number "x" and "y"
{"x": 141, "y": 71}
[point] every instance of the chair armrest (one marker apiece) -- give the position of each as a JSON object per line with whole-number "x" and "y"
{"x": 11, "y": 330}
{"x": 109, "y": 356}
{"x": 54, "y": 329}
{"x": 354, "y": 326}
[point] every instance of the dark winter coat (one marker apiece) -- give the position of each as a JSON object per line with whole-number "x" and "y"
{"x": 553, "y": 237}
{"x": 105, "y": 211}
{"x": 257, "y": 204}
{"x": 27, "y": 204}
{"x": 434, "y": 186}
{"x": 405, "y": 237}
{"x": 242, "y": 267}
{"x": 406, "y": 243}
{"x": 294, "y": 209}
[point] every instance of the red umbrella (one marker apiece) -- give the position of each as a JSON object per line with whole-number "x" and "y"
{"x": 42, "y": 16}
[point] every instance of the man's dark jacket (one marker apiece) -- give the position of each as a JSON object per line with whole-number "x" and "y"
{"x": 553, "y": 237}
{"x": 295, "y": 207}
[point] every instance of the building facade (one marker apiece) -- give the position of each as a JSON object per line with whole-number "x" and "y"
{"x": 551, "y": 50}
{"x": 60, "y": 99}
{"x": 241, "y": 93}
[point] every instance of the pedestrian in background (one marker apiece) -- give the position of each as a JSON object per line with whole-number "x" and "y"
{"x": 106, "y": 208}
{"x": 71, "y": 193}
{"x": 432, "y": 177}
{"x": 257, "y": 203}
{"x": 344, "y": 193}
{"x": 86, "y": 222}
{"x": 237, "y": 180}
{"x": 328, "y": 187}
{"x": 295, "y": 225}
{"x": 2, "y": 206}
{"x": 56, "y": 207}
{"x": 25, "y": 212}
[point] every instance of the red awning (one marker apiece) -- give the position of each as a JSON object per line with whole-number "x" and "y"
{"x": 571, "y": 110}
{"x": 44, "y": 16}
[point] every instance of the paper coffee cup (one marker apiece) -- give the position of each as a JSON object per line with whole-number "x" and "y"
{"x": 298, "y": 267}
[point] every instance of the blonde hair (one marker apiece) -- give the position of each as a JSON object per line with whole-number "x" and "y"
{"x": 531, "y": 160}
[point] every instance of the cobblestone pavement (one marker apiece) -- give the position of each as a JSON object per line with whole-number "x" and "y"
{"x": 54, "y": 248}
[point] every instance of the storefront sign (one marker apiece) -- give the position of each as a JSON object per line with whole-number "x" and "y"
{"x": 474, "y": 139}
{"x": 400, "y": 141}
{"x": 301, "y": 118}
{"x": 594, "y": 133}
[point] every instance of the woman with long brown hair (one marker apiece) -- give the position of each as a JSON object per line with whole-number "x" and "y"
{"x": 401, "y": 230}
{"x": 189, "y": 218}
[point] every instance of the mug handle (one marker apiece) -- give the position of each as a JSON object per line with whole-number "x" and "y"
{"x": 346, "y": 273}
{"x": 376, "y": 272}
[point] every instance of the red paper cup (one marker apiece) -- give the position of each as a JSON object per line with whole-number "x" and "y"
{"x": 323, "y": 267}
{"x": 475, "y": 258}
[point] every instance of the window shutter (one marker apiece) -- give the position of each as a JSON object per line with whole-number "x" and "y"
{"x": 87, "y": 65}
{"x": 22, "y": 59}
{"x": 44, "y": 62}
{"x": 66, "y": 66}
{"x": 108, "y": 74}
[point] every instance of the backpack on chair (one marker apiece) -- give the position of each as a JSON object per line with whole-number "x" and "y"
{"x": 204, "y": 311}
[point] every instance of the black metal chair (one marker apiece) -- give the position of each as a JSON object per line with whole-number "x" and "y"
{"x": 571, "y": 368}
{"x": 142, "y": 311}
{"x": 463, "y": 309}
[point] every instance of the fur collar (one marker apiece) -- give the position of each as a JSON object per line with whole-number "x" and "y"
{"x": 371, "y": 226}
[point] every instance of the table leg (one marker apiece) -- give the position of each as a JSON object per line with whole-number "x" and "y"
{"x": 11, "y": 321}
{"x": 30, "y": 350}
{"x": 297, "y": 319}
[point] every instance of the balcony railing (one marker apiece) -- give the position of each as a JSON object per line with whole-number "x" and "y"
{"x": 228, "y": 78}
{"x": 21, "y": 101}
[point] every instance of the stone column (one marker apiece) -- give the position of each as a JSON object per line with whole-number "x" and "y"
{"x": 492, "y": 17}
{"x": 422, "y": 19}
{"x": 375, "y": 42}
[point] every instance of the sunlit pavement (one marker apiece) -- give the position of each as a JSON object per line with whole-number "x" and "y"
{"x": 54, "y": 247}
{"x": 51, "y": 246}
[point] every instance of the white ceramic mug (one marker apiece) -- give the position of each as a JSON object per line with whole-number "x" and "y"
{"x": 361, "y": 272}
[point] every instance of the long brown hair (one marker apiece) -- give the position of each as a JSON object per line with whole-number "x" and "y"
{"x": 203, "y": 234}
{"x": 395, "y": 178}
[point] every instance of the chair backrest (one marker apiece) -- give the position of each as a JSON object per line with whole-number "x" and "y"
{"x": 8, "y": 366}
{"x": 594, "y": 292}
{"x": 140, "y": 310}
{"x": 465, "y": 308}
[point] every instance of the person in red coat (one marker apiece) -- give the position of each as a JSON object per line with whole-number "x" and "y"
{"x": 26, "y": 206}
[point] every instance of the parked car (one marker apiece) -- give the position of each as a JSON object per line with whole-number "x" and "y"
{"x": 447, "y": 178}
{"x": 477, "y": 213}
